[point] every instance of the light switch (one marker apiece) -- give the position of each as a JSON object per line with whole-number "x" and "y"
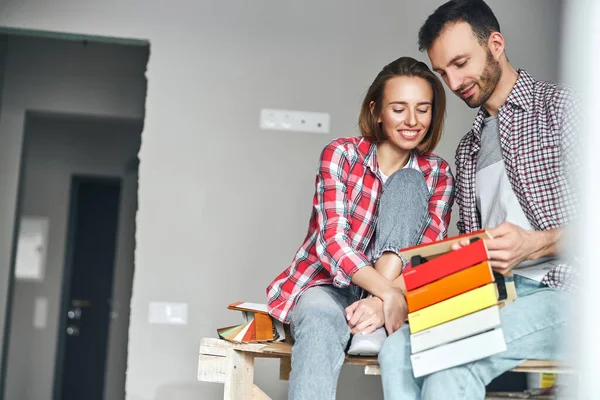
{"x": 290, "y": 120}
{"x": 168, "y": 313}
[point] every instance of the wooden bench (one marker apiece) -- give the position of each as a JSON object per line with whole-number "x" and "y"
{"x": 233, "y": 364}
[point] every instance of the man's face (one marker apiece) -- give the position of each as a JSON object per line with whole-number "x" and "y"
{"x": 468, "y": 68}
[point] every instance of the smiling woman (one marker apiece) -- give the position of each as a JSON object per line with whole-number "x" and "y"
{"x": 405, "y": 84}
{"x": 374, "y": 195}
{"x": 404, "y": 118}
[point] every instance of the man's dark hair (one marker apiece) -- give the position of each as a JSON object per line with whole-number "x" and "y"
{"x": 474, "y": 12}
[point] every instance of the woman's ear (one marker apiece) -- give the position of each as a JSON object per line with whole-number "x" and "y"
{"x": 372, "y": 108}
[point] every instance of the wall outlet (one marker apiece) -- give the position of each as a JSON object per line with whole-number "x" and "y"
{"x": 168, "y": 313}
{"x": 298, "y": 121}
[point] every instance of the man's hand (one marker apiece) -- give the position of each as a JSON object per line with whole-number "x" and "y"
{"x": 395, "y": 309}
{"x": 510, "y": 245}
{"x": 365, "y": 315}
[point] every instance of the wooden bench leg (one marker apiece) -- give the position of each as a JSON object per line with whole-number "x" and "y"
{"x": 239, "y": 377}
{"x": 285, "y": 367}
{"x": 258, "y": 394}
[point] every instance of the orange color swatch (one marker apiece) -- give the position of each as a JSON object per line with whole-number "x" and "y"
{"x": 450, "y": 286}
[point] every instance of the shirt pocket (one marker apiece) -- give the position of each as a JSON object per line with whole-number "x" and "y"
{"x": 545, "y": 159}
{"x": 540, "y": 154}
{"x": 540, "y": 164}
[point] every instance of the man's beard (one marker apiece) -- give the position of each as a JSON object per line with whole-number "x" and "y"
{"x": 487, "y": 82}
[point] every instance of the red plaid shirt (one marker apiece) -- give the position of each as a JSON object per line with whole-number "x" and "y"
{"x": 538, "y": 137}
{"x": 348, "y": 189}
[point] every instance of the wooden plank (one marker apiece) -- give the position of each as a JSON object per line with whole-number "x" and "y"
{"x": 516, "y": 395}
{"x": 278, "y": 348}
{"x": 285, "y": 368}
{"x": 543, "y": 363}
{"x": 212, "y": 365}
{"x": 271, "y": 350}
{"x": 211, "y": 346}
{"x": 372, "y": 370}
{"x": 212, "y": 343}
{"x": 211, "y": 368}
{"x": 549, "y": 367}
{"x": 372, "y": 361}
{"x": 258, "y": 394}
{"x": 545, "y": 370}
{"x": 356, "y": 360}
{"x": 239, "y": 375}
{"x": 213, "y": 351}
{"x": 214, "y": 346}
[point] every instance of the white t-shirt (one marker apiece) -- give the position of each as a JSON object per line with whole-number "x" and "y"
{"x": 496, "y": 200}
{"x": 383, "y": 176}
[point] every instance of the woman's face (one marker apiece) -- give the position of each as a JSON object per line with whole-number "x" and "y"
{"x": 406, "y": 111}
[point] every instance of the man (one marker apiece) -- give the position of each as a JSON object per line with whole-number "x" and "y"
{"x": 513, "y": 177}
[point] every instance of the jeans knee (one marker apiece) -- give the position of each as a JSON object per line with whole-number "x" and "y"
{"x": 393, "y": 350}
{"x": 321, "y": 325}
{"x": 407, "y": 177}
{"x": 317, "y": 314}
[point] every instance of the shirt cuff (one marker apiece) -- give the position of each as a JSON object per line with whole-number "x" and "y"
{"x": 348, "y": 265}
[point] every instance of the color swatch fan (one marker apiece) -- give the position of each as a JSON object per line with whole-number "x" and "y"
{"x": 258, "y": 325}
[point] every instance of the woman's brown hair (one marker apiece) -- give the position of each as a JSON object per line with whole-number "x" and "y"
{"x": 404, "y": 66}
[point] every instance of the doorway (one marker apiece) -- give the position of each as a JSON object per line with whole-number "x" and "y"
{"x": 87, "y": 288}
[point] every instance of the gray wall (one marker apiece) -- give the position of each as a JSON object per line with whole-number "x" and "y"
{"x": 105, "y": 81}
{"x": 116, "y": 365}
{"x": 223, "y": 205}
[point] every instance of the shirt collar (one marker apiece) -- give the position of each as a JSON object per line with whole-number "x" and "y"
{"x": 369, "y": 150}
{"x": 521, "y": 96}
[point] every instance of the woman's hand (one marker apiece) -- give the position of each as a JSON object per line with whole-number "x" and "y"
{"x": 365, "y": 315}
{"x": 395, "y": 309}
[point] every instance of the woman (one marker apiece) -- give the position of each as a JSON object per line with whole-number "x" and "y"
{"x": 375, "y": 194}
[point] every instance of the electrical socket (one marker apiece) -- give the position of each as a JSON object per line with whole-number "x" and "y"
{"x": 298, "y": 121}
{"x": 168, "y": 313}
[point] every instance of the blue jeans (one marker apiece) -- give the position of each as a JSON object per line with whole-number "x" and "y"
{"x": 318, "y": 321}
{"x": 535, "y": 327}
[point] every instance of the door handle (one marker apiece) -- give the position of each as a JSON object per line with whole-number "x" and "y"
{"x": 72, "y": 330}
{"x": 74, "y": 313}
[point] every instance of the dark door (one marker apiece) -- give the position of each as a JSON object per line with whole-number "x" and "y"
{"x": 87, "y": 288}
